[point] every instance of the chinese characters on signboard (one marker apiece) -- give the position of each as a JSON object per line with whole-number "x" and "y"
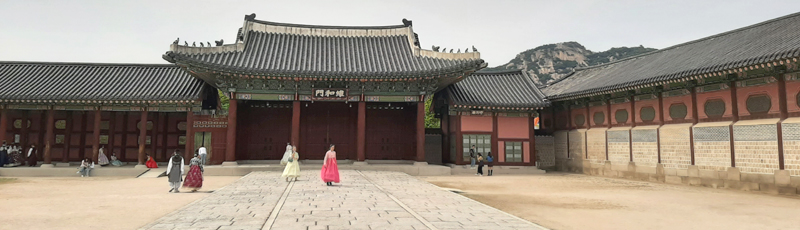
{"x": 330, "y": 94}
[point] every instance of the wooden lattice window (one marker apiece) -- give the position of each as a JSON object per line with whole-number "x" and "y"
{"x": 758, "y": 104}
{"x": 647, "y": 113}
{"x": 715, "y": 108}
{"x": 182, "y": 126}
{"x": 599, "y": 118}
{"x": 149, "y": 125}
{"x": 482, "y": 142}
{"x": 60, "y": 139}
{"x": 621, "y": 116}
{"x": 105, "y": 124}
{"x": 513, "y": 151}
{"x": 61, "y": 124}
{"x": 18, "y": 123}
{"x": 580, "y": 120}
{"x": 182, "y": 140}
{"x": 677, "y": 111}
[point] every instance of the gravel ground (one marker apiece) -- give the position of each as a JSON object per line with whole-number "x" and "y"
{"x": 575, "y": 201}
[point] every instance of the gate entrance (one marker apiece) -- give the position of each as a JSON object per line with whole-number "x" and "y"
{"x": 326, "y": 123}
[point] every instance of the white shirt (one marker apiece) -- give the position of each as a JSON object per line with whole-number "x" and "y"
{"x": 201, "y": 151}
{"x": 169, "y": 166}
{"x": 30, "y": 151}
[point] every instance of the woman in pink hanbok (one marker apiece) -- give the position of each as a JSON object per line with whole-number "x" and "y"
{"x": 330, "y": 170}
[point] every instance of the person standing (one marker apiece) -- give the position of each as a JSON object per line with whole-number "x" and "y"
{"x": 287, "y": 154}
{"x": 174, "y": 172}
{"x": 102, "y": 159}
{"x": 4, "y": 159}
{"x": 330, "y": 170}
{"x": 15, "y": 157}
{"x": 480, "y": 165}
{"x": 86, "y": 166}
{"x": 194, "y": 178}
{"x": 489, "y": 162}
{"x": 472, "y": 157}
{"x": 203, "y": 153}
{"x": 292, "y": 170}
{"x": 32, "y": 156}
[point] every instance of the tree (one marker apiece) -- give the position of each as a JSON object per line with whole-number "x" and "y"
{"x": 430, "y": 121}
{"x": 224, "y": 101}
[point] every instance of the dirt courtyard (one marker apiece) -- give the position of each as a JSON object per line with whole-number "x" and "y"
{"x": 574, "y": 201}
{"x": 92, "y": 203}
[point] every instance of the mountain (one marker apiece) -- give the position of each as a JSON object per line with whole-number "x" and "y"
{"x": 551, "y": 62}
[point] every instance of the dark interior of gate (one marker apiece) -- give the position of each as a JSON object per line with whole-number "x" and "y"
{"x": 390, "y": 131}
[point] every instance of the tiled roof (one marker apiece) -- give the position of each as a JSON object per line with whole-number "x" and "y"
{"x": 279, "y": 49}
{"x": 511, "y": 89}
{"x": 769, "y": 41}
{"x": 40, "y": 81}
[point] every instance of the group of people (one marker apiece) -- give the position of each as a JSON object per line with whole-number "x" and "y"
{"x": 12, "y": 156}
{"x": 175, "y": 170}
{"x": 488, "y": 160}
{"x": 329, "y": 172}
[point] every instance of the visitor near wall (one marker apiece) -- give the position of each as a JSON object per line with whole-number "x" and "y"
{"x": 480, "y": 165}
{"x": 287, "y": 154}
{"x": 86, "y": 166}
{"x": 4, "y": 159}
{"x": 174, "y": 172}
{"x": 15, "y": 157}
{"x": 203, "y": 152}
{"x": 330, "y": 170}
{"x": 489, "y": 162}
{"x": 472, "y": 157}
{"x": 32, "y": 156}
{"x": 194, "y": 178}
{"x": 102, "y": 160}
{"x": 115, "y": 161}
{"x": 151, "y": 163}
{"x": 292, "y": 170}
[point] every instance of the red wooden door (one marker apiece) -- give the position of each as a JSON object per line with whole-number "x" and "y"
{"x": 263, "y": 131}
{"x": 390, "y": 131}
{"x": 326, "y": 123}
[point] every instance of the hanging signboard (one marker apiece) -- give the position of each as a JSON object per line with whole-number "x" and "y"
{"x": 329, "y": 94}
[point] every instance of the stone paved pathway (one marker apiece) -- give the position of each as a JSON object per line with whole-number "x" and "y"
{"x": 365, "y": 200}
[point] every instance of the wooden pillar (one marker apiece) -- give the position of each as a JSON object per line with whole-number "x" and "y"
{"x": 82, "y": 139}
{"x": 532, "y": 136}
{"x": 23, "y": 138}
{"x": 495, "y": 147}
{"x": 154, "y": 137}
{"x": 230, "y": 150}
{"x": 189, "y": 144}
{"x": 164, "y": 134}
{"x": 361, "y": 127}
{"x": 124, "y": 146}
{"x": 3, "y": 124}
{"x": 445, "y": 126}
{"x": 735, "y": 110}
{"x": 459, "y": 139}
{"x": 421, "y": 131}
{"x": 608, "y": 123}
{"x": 695, "y": 119}
{"x": 784, "y": 114}
{"x": 42, "y": 131}
{"x": 632, "y": 117}
{"x": 660, "y": 121}
{"x": 296, "y": 123}
{"x": 49, "y": 139}
{"x": 569, "y": 125}
{"x": 142, "y": 135}
{"x": 112, "y": 128}
{"x": 67, "y": 137}
{"x": 96, "y": 134}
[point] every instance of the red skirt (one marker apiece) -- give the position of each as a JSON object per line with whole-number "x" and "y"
{"x": 330, "y": 172}
{"x": 194, "y": 178}
{"x": 151, "y": 164}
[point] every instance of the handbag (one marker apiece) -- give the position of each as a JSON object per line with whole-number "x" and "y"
{"x": 290, "y": 160}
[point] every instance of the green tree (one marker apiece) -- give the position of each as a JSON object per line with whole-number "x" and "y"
{"x": 430, "y": 120}
{"x": 224, "y": 101}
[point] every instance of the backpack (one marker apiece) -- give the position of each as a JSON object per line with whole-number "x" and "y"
{"x": 489, "y": 159}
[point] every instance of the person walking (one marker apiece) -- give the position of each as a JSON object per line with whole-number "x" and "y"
{"x": 292, "y": 170}
{"x": 286, "y": 154}
{"x": 174, "y": 172}
{"x": 86, "y": 166}
{"x": 203, "y": 152}
{"x": 489, "y": 163}
{"x": 480, "y": 165}
{"x": 472, "y": 157}
{"x": 31, "y": 157}
{"x": 330, "y": 170}
{"x": 194, "y": 178}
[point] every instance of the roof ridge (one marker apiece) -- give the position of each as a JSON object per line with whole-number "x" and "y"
{"x": 691, "y": 42}
{"x": 85, "y": 64}
{"x": 505, "y": 71}
{"x": 327, "y": 26}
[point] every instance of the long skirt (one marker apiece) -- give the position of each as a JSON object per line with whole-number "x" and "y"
{"x": 32, "y": 160}
{"x": 3, "y": 158}
{"x": 16, "y": 159}
{"x": 194, "y": 178}
{"x": 102, "y": 159}
{"x": 116, "y": 163}
{"x": 330, "y": 172}
{"x": 292, "y": 169}
{"x": 151, "y": 164}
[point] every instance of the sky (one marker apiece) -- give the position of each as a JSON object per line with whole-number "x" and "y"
{"x": 141, "y": 31}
